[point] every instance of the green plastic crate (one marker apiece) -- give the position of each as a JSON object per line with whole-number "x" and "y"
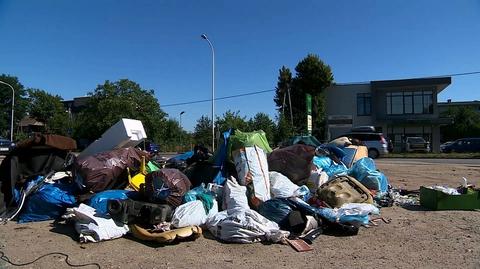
{"x": 437, "y": 200}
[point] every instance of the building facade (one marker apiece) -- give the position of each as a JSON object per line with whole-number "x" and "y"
{"x": 398, "y": 108}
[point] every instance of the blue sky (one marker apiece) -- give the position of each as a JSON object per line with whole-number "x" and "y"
{"x": 69, "y": 47}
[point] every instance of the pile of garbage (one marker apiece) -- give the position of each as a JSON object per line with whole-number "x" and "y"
{"x": 244, "y": 193}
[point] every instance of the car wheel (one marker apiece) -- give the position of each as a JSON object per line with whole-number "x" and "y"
{"x": 373, "y": 153}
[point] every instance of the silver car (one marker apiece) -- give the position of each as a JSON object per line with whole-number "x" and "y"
{"x": 375, "y": 142}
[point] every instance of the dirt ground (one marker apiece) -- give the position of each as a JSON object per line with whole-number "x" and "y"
{"x": 415, "y": 238}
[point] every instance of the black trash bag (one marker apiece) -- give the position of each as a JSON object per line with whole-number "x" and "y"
{"x": 108, "y": 170}
{"x": 36, "y": 156}
{"x": 294, "y": 162}
{"x": 165, "y": 186}
{"x": 201, "y": 172}
{"x": 200, "y": 154}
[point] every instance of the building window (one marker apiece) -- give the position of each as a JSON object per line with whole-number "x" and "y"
{"x": 416, "y": 102}
{"x": 364, "y": 104}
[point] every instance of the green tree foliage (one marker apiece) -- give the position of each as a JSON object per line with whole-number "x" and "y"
{"x": 229, "y": 120}
{"x": 113, "y": 101}
{"x": 202, "y": 134}
{"x": 48, "y": 109}
{"x": 466, "y": 123}
{"x": 20, "y": 105}
{"x": 312, "y": 76}
{"x": 262, "y": 121}
{"x": 173, "y": 136}
{"x": 284, "y": 129}
{"x": 281, "y": 91}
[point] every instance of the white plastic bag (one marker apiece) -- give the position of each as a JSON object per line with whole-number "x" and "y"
{"x": 192, "y": 213}
{"x": 247, "y": 227}
{"x": 281, "y": 186}
{"x": 234, "y": 196}
{"x": 317, "y": 178}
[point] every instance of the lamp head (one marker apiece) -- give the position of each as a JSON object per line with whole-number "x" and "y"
{"x": 204, "y": 36}
{"x": 182, "y": 112}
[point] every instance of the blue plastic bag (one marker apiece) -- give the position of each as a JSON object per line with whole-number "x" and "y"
{"x": 276, "y": 210}
{"x": 365, "y": 172}
{"x": 49, "y": 202}
{"x": 220, "y": 158}
{"x": 99, "y": 201}
{"x": 191, "y": 195}
{"x": 327, "y": 165}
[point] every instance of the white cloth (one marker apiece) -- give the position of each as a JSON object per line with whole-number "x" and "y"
{"x": 92, "y": 227}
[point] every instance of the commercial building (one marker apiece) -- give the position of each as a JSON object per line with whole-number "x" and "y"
{"x": 398, "y": 108}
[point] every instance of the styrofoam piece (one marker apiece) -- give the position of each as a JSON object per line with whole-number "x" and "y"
{"x": 123, "y": 134}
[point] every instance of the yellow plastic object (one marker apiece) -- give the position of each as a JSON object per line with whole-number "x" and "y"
{"x": 139, "y": 178}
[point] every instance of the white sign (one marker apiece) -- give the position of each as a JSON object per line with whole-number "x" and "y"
{"x": 309, "y": 124}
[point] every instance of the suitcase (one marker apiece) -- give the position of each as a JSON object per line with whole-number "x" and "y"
{"x": 342, "y": 190}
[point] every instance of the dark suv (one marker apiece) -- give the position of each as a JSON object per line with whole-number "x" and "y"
{"x": 376, "y": 143}
{"x": 464, "y": 145}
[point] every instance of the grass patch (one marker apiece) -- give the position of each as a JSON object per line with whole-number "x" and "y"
{"x": 431, "y": 155}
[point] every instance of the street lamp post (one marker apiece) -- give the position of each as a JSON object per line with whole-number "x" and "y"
{"x": 204, "y": 36}
{"x": 13, "y": 103}
{"x": 181, "y": 113}
{"x": 181, "y": 130}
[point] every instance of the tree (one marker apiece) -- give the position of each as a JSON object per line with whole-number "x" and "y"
{"x": 231, "y": 120}
{"x": 281, "y": 97}
{"x": 312, "y": 77}
{"x": 262, "y": 121}
{"x": 113, "y": 101}
{"x": 466, "y": 123}
{"x": 202, "y": 134}
{"x": 173, "y": 136}
{"x": 48, "y": 109}
{"x": 284, "y": 129}
{"x": 6, "y": 103}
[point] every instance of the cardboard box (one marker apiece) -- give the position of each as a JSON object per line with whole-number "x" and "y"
{"x": 354, "y": 153}
{"x": 438, "y": 200}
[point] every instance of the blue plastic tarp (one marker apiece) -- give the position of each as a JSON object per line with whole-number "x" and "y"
{"x": 49, "y": 202}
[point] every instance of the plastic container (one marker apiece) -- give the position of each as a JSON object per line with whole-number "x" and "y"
{"x": 123, "y": 134}
{"x": 438, "y": 200}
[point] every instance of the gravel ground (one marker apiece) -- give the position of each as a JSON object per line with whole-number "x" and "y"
{"x": 415, "y": 238}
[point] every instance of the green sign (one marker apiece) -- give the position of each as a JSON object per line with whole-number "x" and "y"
{"x": 308, "y": 100}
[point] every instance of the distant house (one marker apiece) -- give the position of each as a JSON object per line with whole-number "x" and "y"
{"x": 76, "y": 105}
{"x": 398, "y": 108}
{"x": 28, "y": 125}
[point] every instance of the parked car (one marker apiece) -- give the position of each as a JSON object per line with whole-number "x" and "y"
{"x": 376, "y": 143}
{"x": 150, "y": 146}
{"x": 413, "y": 144}
{"x": 444, "y": 145}
{"x": 6, "y": 146}
{"x": 464, "y": 145}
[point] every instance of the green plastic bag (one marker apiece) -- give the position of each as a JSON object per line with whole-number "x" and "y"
{"x": 249, "y": 139}
{"x": 151, "y": 167}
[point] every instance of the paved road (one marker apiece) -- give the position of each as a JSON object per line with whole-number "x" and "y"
{"x": 474, "y": 162}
